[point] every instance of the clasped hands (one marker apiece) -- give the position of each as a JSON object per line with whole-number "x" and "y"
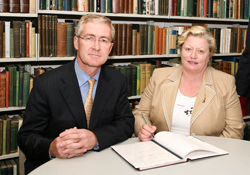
{"x": 72, "y": 142}
{"x": 145, "y": 132}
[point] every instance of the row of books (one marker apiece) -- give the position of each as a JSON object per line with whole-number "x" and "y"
{"x": 9, "y": 126}
{"x": 228, "y": 40}
{"x": 15, "y": 86}
{"x": 138, "y": 73}
{"x": 211, "y": 8}
{"x": 147, "y": 7}
{"x": 227, "y": 64}
{"x": 56, "y": 38}
{"x": 22, "y": 6}
{"x": 17, "y": 39}
{"x": 10, "y": 167}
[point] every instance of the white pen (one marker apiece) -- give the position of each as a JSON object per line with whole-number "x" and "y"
{"x": 147, "y": 123}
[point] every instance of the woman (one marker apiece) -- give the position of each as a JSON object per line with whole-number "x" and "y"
{"x": 192, "y": 99}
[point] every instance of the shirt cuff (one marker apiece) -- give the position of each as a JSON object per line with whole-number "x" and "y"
{"x": 96, "y": 148}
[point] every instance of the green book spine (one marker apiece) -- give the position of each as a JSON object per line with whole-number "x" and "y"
{"x": 138, "y": 91}
{"x": 14, "y": 85}
{"x": 13, "y": 138}
{"x": 11, "y": 85}
{"x": 60, "y": 4}
{"x": 11, "y": 43}
{"x": 16, "y": 97}
{"x": 8, "y": 131}
{"x": 190, "y": 8}
{"x": 47, "y": 4}
{"x": 134, "y": 80}
{"x": 109, "y": 6}
{"x": 123, "y": 70}
{"x": 150, "y": 40}
{"x": 23, "y": 40}
{"x": 215, "y": 8}
{"x": 178, "y": 8}
{"x": 1, "y": 136}
{"x": 69, "y": 41}
{"x": 20, "y": 94}
{"x": 146, "y": 40}
{"x": 73, "y": 5}
{"x": 26, "y": 87}
{"x": 4, "y": 136}
{"x": 129, "y": 78}
{"x": 91, "y": 5}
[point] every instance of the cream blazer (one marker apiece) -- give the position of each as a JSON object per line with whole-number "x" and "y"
{"x": 217, "y": 110}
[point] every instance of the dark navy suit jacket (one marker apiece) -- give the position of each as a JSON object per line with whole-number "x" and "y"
{"x": 55, "y": 104}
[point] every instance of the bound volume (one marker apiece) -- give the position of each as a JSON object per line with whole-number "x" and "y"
{"x": 166, "y": 148}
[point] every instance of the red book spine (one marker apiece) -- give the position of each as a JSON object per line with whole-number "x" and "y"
{"x": 160, "y": 35}
{"x": 7, "y": 90}
{"x": 27, "y": 40}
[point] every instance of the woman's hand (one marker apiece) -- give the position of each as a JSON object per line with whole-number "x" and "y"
{"x": 145, "y": 132}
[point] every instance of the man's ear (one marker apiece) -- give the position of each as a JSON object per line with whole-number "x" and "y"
{"x": 75, "y": 41}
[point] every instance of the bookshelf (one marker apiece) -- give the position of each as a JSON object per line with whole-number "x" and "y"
{"x": 165, "y": 20}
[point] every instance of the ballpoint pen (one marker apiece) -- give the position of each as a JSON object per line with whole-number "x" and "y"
{"x": 147, "y": 123}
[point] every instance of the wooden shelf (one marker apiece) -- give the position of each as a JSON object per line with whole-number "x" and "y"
{"x": 12, "y": 109}
{"x": 8, "y": 156}
{"x": 19, "y": 15}
{"x": 5, "y": 60}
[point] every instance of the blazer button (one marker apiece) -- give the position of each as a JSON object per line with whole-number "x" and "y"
{"x": 193, "y": 134}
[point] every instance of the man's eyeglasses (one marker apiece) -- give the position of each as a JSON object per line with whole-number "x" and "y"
{"x": 91, "y": 40}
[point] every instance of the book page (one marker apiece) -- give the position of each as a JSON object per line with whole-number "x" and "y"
{"x": 145, "y": 155}
{"x": 183, "y": 145}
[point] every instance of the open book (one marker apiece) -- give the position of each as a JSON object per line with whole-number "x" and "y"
{"x": 166, "y": 148}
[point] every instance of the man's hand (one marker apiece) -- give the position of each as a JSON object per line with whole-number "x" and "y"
{"x": 145, "y": 132}
{"x": 73, "y": 142}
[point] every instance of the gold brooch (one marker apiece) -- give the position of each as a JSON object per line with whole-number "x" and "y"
{"x": 204, "y": 99}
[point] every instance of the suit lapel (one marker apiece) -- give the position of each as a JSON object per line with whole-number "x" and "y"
{"x": 72, "y": 95}
{"x": 169, "y": 91}
{"x": 103, "y": 92}
{"x": 205, "y": 95}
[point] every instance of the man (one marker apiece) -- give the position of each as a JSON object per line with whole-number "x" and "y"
{"x": 55, "y": 122}
{"x": 243, "y": 73}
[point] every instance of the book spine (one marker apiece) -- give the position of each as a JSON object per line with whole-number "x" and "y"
{"x": 7, "y": 89}
{"x": 4, "y": 136}
{"x": 26, "y": 86}
{"x": 69, "y": 42}
{"x": 7, "y": 39}
{"x": 16, "y": 28}
{"x": 11, "y": 43}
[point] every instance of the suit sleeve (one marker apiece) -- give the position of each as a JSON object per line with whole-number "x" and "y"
{"x": 243, "y": 73}
{"x": 30, "y": 136}
{"x": 122, "y": 126}
{"x": 234, "y": 127}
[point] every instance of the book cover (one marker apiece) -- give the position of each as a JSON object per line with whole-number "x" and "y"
{"x": 11, "y": 42}
{"x": 24, "y": 6}
{"x": 1, "y": 136}
{"x": 2, "y": 89}
{"x": 13, "y": 136}
{"x": 20, "y": 69}
{"x": 61, "y": 39}
{"x": 69, "y": 41}
{"x": 7, "y": 89}
{"x": 26, "y": 87}
{"x": 8, "y": 133}
{"x": 14, "y": 6}
{"x": 4, "y": 5}
{"x": 166, "y": 149}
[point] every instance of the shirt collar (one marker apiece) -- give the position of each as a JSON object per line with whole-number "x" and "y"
{"x": 82, "y": 77}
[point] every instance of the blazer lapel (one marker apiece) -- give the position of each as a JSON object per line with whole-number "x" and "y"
{"x": 72, "y": 95}
{"x": 169, "y": 91}
{"x": 103, "y": 92}
{"x": 205, "y": 95}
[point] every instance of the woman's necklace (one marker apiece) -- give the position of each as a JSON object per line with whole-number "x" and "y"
{"x": 185, "y": 93}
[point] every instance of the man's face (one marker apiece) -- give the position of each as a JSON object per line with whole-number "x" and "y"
{"x": 92, "y": 53}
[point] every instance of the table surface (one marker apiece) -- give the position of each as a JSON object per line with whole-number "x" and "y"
{"x": 107, "y": 161}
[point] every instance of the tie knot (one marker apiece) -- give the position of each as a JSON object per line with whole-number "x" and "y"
{"x": 91, "y": 81}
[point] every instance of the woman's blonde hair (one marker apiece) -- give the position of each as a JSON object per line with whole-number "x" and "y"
{"x": 94, "y": 18}
{"x": 201, "y": 32}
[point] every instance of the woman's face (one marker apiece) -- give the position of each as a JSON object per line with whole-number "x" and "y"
{"x": 195, "y": 54}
